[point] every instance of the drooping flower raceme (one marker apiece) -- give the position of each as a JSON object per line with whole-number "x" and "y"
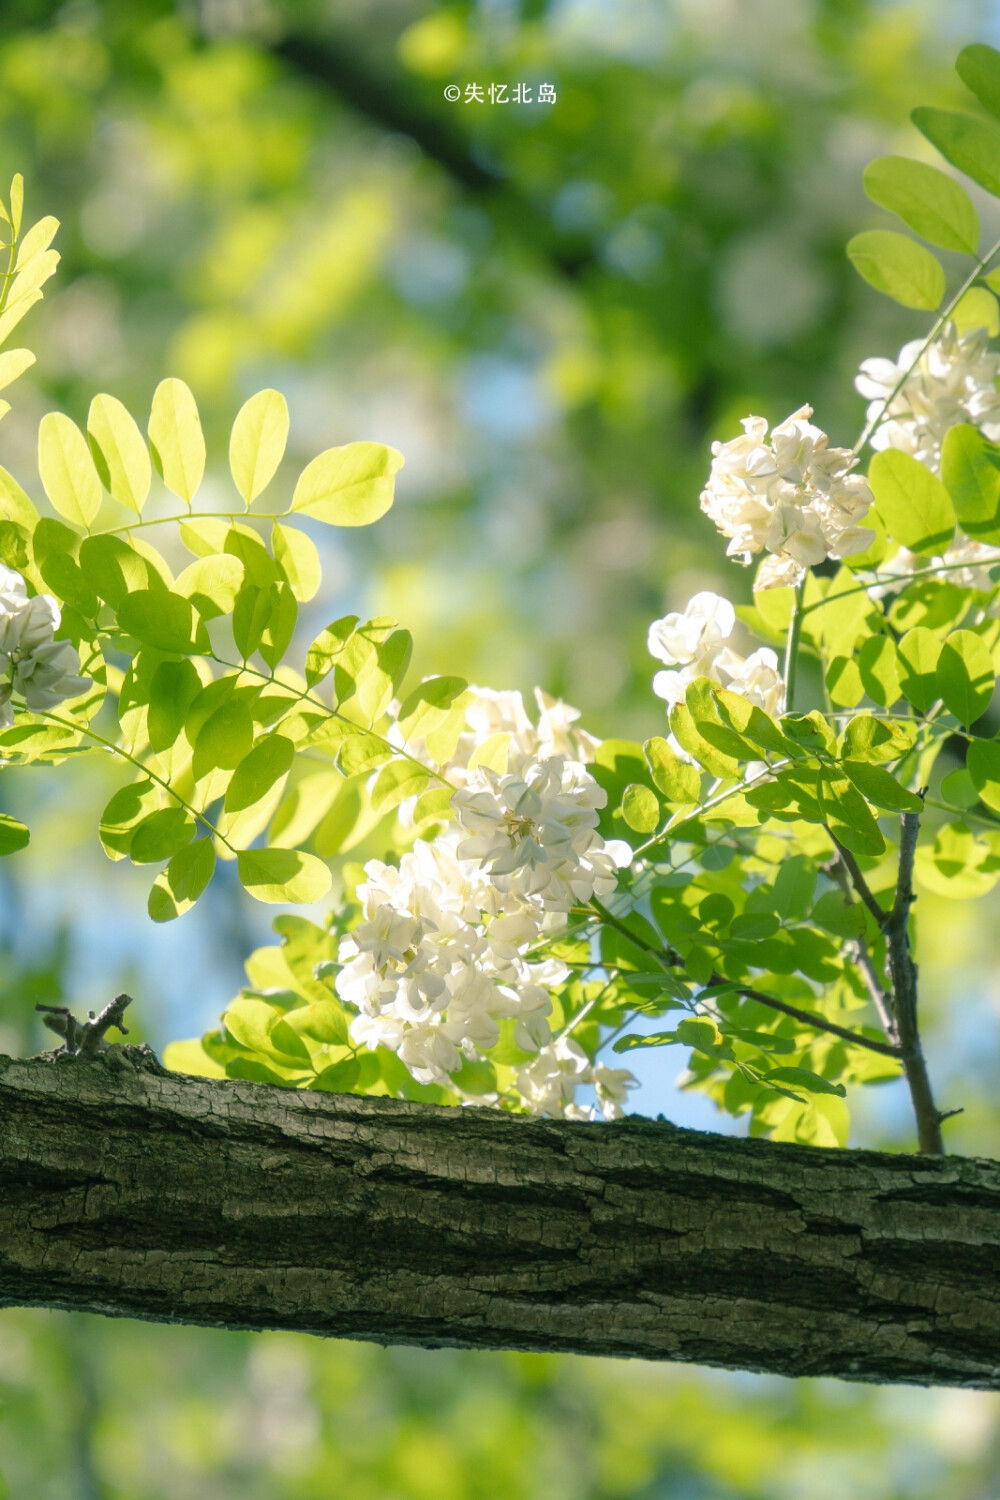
{"x": 695, "y": 644}
{"x": 790, "y": 495}
{"x": 33, "y": 664}
{"x": 441, "y": 955}
{"x": 955, "y": 380}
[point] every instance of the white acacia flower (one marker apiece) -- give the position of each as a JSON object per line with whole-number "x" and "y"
{"x": 548, "y": 1084}
{"x": 612, "y": 1086}
{"x": 955, "y": 380}
{"x": 33, "y": 664}
{"x": 789, "y": 494}
{"x": 696, "y": 642}
{"x": 535, "y": 832}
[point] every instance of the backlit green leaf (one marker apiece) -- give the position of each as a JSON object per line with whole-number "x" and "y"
{"x": 933, "y": 204}
{"x": 678, "y": 781}
{"x": 899, "y": 267}
{"x": 119, "y": 452}
{"x": 176, "y": 438}
{"x": 161, "y": 834}
{"x": 918, "y": 658}
{"x": 970, "y": 468}
{"x": 224, "y": 739}
{"x": 965, "y": 677}
{"x": 212, "y": 584}
{"x": 914, "y": 504}
{"x": 178, "y": 887}
{"x": 969, "y": 144}
{"x": 269, "y": 760}
{"x": 397, "y": 781}
{"x": 67, "y": 470}
{"x": 640, "y": 808}
{"x": 164, "y": 620}
{"x": 978, "y": 67}
{"x": 297, "y": 555}
{"x": 983, "y": 765}
{"x": 14, "y": 835}
{"x": 275, "y": 875}
{"x": 257, "y": 443}
{"x": 349, "y": 486}
{"x": 878, "y": 665}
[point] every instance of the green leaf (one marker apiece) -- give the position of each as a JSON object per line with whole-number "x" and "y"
{"x": 678, "y": 781}
{"x": 918, "y": 658}
{"x": 125, "y": 810}
{"x": 959, "y": 790}
{"x": 161, "y": 834}
{"x": 327, "y": 647}
{"x": 804, "y": 1078}
{"x": 978, "y": 67}
{"x": 174, "y": 688}
{"x": 965, "y": 677}
{"x": 349, "y": 486}
{"x": 269, "y": 760}
{"x": 881, "y": 787}
{"x": 983, "y": 765}
{"x": 871, "y": 739}
{"x": 283, "y": 612}
{"x": 970, "y": 468}
{"x": 426, "y": 708}
{"x": 640, "y": 808}
{"x": 843, "y": 680}
{"x": 251, "y": 615}
{"x": 297, "y": 555}
{"x": 933, "y": 204}
{"x": 176, "y": 438}
{"x": 970, "y": 145}
{"x": 339, "y": 1077}
{"x": 223, "y": 740}
{"x": 878, "y": 665}
{"x": 275, "y": 875}
{"x": 834, "y": 913}
{"x": 914, "y": 505}
{"x": 899, "y": 267}
{"x": 119, "y": 452}
{"x": 848, "y": 815}
{"x": 164, "y": 620}
{"x": 977, "y": 308}
{"x": 211, "y": 584}
{"x": 67, "y": 470}
{"x": 115, "y": 569}
{"x": 397, "y": 781}
{"x": 794, "y": 886}
{"x": 14, "y": 835}
{"x": 257, "y": 443}
{"x": 261, "y": 1027}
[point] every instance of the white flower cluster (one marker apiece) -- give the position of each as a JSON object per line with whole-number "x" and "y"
{"x": 33, "y": 664}
{"x": 440, "y": 956}
{"x": 955, "y": 380}
{"x": 548, "y": 1084}
{"x": 789, "y": 495}
{"x": 695, "y": 644}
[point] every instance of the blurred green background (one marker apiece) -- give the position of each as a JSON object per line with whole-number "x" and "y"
{"x": 551, "y": 309}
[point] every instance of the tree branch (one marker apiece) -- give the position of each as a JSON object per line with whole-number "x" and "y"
{"x": 904, "y": 986}
{"x": 668, "y": 958}
{"x": 239, "y": 1205}
{"x": 842, "y": 869}
{"x": 848, "y": 861}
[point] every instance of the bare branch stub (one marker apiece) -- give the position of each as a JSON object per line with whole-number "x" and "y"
{"x": 85, "y": 1038}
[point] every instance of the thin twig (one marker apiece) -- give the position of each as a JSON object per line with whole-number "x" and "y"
{"x": 668, "y": 958}
{"x": 847, "y": 859}
{"x": 904, "y": 985}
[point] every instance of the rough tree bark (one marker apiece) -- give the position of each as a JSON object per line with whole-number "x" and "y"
{"x": 238, "y": 1205}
